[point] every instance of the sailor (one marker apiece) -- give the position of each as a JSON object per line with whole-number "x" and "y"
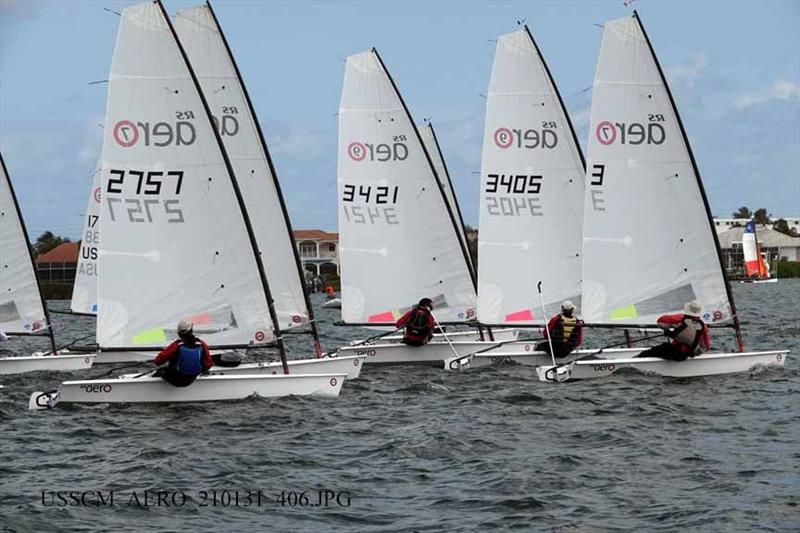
{"x": 566, "y": 332}
{"x": 687, "y": 332}
{"x": 418, "y": 323}
{"x": 187, "y": 358}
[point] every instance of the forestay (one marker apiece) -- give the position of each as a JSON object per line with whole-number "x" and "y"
{"x": 174, "y": 243}
{"x": 648, "y": 243}
{"x": 435, "y": 152}
{"x": 21, "y": 307}
{"x": 84, "y": 292}
{"x": 203, "y": 41}
{"x": 398, "y": 241}
{"x": 532, "y": 187}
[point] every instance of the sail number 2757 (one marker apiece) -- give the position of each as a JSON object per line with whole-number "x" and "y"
{"x": 147, "y": 184}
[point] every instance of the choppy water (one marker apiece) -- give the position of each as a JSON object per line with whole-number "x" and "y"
{"x": 418, "y": 449}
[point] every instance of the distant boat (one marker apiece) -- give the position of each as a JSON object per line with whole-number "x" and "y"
{"x": 756, "y": 269}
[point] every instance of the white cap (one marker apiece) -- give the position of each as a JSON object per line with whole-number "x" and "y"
{"x": 567, "y": 305}
{"x": 184, "y": 326}
{"x": 693, "y": 308}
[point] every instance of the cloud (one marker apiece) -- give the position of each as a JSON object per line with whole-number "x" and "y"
{"x": 780, "y": 90}
{"x": 688, "y": 73}
{"x": 296, "y": 142}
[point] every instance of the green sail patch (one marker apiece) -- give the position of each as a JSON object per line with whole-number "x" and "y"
{"x": 150, "y": 336}
{"x": 629, "y": 311}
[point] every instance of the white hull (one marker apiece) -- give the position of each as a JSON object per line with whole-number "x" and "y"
{"x": 205, "y": 388}
{"x": 350, "y": 365}
{"x": 52, "y": 363}
{"x": 335, "y": 303}
{"x": 500, "y": 335}
{"x": 709, "y": 364}
{"x": 433, "y": 353}
{"x": 766, "y": 280}
{"x": 520, "y": 356}
{"x": 114, "y": 358}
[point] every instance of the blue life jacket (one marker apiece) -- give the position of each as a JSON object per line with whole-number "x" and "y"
{"x": 189, "y": 360}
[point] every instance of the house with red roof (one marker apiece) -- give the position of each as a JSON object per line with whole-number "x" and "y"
{"x": 59, "y": 264}
{"x": 319, "y": 251}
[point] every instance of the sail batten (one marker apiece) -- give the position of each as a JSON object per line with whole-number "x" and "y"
{"x": 532, "y": 187}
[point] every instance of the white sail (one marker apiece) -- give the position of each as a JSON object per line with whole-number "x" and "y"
{"x": 174, "y": 242}
{"x": 532, "y": 189}
{"x": 21, "y": 309}
{"x": 397, "y": 241}
{"x": 750, "y": 249}
{"x": 84, "y": 292}
{"x": 203, "y": 41}
{"x": 434, "y": 150}
{"x": 648, "y": 244}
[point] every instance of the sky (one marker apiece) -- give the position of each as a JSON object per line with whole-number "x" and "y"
{"x": 733, "y": 67}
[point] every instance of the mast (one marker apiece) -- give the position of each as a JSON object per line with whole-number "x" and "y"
{"x": 30, "y": 256}
{"x": 736, "y": 326}
{"x": 464, "y": 250}
{"x": 558, "y": 95}
{"x": 312, "y": 321}
{"x": 450, "y": 184}
{"x": 237, "y": 191}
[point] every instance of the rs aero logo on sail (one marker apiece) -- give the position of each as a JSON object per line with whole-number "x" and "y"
{"x": 651, "y": 132}
{"x": 179, "y": 132}
{"x": 529, "y": 139}
{"x": 397, "y": 150}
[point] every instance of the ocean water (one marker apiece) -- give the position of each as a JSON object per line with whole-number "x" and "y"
{"x": 420, "y": 449}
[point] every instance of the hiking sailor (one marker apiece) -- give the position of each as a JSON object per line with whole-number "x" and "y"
{"x": 566, "y": 332}
{"x": 687, "y": 332}
{"x": 418, "y": 323}
{"x": 187, "y": 358}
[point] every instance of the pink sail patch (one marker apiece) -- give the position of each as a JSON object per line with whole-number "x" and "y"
{"x": 517, "y": 316}
{"x": 382, "y": 317}
{"x": 203, "y": 319}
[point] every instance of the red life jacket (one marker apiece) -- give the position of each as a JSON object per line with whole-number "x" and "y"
{"x": 689, "y": 333}
{"x": 417, "y": 330}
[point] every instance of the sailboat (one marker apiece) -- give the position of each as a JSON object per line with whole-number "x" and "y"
{"x": 531, "y": 206}
{"x": 177, "y": 242}
{"x": 647, "y": 247}
{"x": 23, "y": 311}
{"x": 220, "y": 80}
{"x": 756, "y": 269}
{"x": 399, "y": 239}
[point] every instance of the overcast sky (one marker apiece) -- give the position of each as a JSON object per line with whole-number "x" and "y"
{"x": 734, "y": 68}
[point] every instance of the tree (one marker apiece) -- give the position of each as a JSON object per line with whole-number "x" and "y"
{"x": 46, "y": 242}
{"x": 743, "y": 212}
{"x": 761, "y": 216}
{"x": 783, "y": 227}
